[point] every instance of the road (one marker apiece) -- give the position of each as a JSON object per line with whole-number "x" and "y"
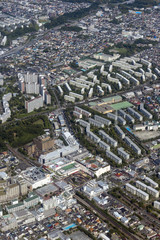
{"x": 20, "y": 48}
{"x": 148, "y": 218}
{"x": 23, "y": 118}
{"x": 107, "y": 218}
{"x": 23, "y": 158}
{"x": 30, "y": 42}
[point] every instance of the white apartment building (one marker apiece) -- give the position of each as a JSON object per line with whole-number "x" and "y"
{"x": 143, "y": 195}
{"x": 109, "y": 140}
{"x": 157, "y": 205}
{"x": 33, "y": 104}
{"x": 131, "y": 188}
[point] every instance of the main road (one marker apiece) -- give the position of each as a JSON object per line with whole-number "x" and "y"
{"x": 30, "y": 42}
{"x": 20, "y": 48}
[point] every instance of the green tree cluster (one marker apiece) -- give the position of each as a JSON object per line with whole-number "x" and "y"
{"x": 70, "y": 16}
{"x": 22, "y": 132}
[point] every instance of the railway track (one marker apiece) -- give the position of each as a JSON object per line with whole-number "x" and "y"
{"x": 23, "y": 158}
{"x": 149, "y": 216}
{"x": 105, "y": 217}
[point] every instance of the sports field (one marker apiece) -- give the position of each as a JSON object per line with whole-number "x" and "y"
{"x": 121, "y": 105}
{"x": 70, "y": 166}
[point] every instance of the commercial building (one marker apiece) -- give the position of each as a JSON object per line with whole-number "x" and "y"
{"x": 61, "y": 120}
{"x": 102, "y": 120}
{"x": 49, "y": 203}
{"x": 69, "y": 169}
{"x": 70, "y": 140}
{"x": 114, "y": 157}
{"x": 42, "y": 191}
{"x": 23, "y": 186}
{"x": 109, "y": 140}
{"x": 13, "y": 191}
{"x": 93, "y": 166}
{"x": 106, "y": 57}
{"x": 31, "y": 201}
{"x": 33, "y": 104}
{"x": 132, "y": 145}
{"x": 24, "y": 217}
{"x": 61, "y": 152}
{"x": 44, "y": 142}
{"x": 35, "y": 177}
{"x": 15, "y": 207}
{"x": 8, "y": 222}
{"x": 100, "y": 201}
{"x": 91, "y": 189}
{"x": 64, "y": 186}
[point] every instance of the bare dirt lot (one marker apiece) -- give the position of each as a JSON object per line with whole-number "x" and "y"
{"x": 146, "y": 135}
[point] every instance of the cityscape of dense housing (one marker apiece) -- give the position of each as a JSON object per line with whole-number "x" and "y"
{"x": 80, "y": 120}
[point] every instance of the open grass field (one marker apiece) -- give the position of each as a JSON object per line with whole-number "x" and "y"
{"x": 40, "y": 122}
{"x": 156, "y": 146}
